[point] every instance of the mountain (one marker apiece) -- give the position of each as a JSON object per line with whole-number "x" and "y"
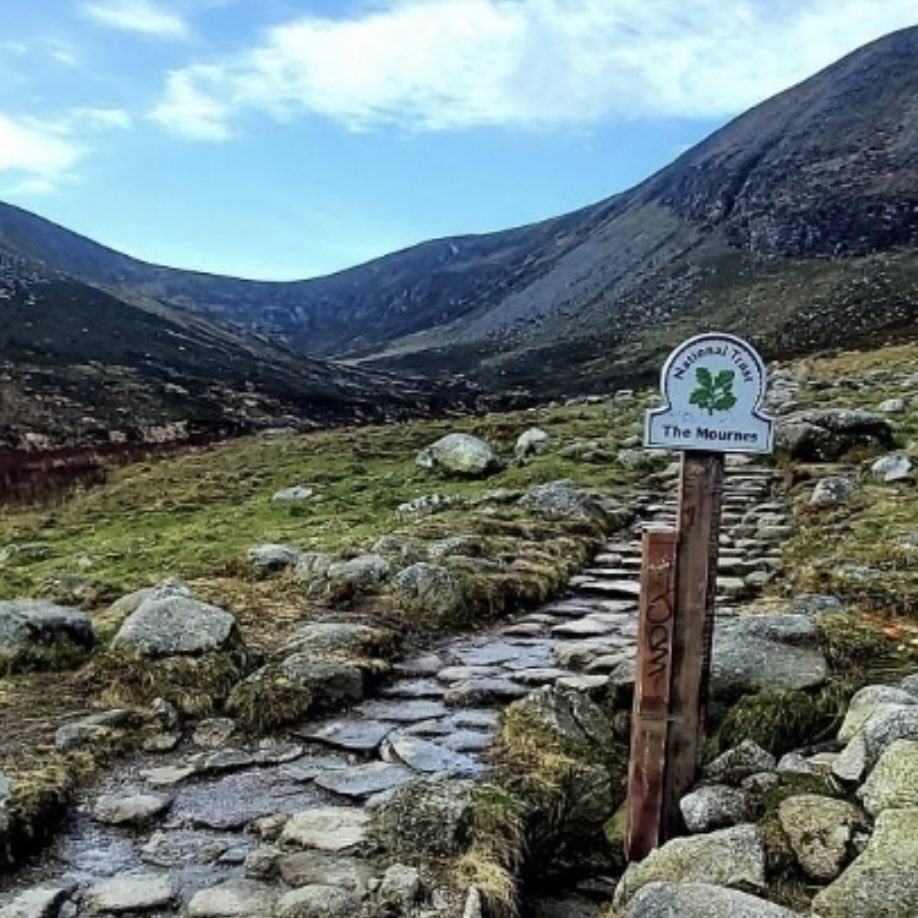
{"x": 795, "y": 225}
{"x": 80, "y": 366}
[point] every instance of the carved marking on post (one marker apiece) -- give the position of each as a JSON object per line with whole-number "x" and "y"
{"x": 651, "y": 693}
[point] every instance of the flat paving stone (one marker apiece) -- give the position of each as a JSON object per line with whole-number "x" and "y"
{"x": 425, "y": 756}
{"x": 468, "y": 741}
{"x": 402, "y": 711}
{"x": 365, "y": 780}
{"x": 524, "y": 629}
{"x": 328, "y": 828}
{"x": 308, "y": 768}
{"x": 303, "y": 868}
{"x": 541, "y": 675}
{"x": 233, "y": 899}
{"x": 459, "y": 673}
{"x": 137, "y": 893}
{"x": 412, "y": 688}
{"x": 483, "y": 691}
{"x": 583, "y": 627}
{"x": 354, "y": 735}
{"x": 427, "y": 665}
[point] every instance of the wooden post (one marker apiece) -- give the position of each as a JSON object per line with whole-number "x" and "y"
{"x": 651, "y": 693}
{"x": 700, "y": 498}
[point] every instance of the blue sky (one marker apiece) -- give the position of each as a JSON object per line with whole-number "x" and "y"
{"x": 290, "y": 138}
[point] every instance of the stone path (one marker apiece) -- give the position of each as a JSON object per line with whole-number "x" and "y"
{"x": 185, "y": 832}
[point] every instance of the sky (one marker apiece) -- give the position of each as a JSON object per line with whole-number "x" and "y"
{"x": 281, "y": 139}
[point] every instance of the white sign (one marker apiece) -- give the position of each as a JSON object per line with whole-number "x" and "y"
{"x": 713, "y": 386}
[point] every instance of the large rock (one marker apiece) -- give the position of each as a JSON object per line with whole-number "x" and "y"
{"x": 563, "y": 498}
{"x": 728, "y": 857}
{"x": 28, "y": 627}
{"x": 882, "y": 882}
{"x": 121, "y": 608}
{"x": 460, "y": 454}
{"x": 866, "y": 702}
{"x": 826, "y": 434}
{"x": 700, "y": 900}
{"x": 821, "y": 832}
{"x": 130, "y": 810}
{"x": 893, "y": 783}
{"x": 432, "y": 587}
{"x": 38, "y": 902}
{"x": 312, "y": 565}
{"x": 742, "y": 761}
{"x": 362, "y": 571}
{"x": 426, "y": 818}
{"x": 755, "y": 653}
{"x": 177, "y": 625}
{"x": 888, "y": 723}
{"x": 341, "y": 639}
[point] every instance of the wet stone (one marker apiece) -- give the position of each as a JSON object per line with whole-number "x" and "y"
{"x": 329, "y": 828}
{"x": 307, "y": 867}
{"x": 539, "y": 676}
{"x": 168, "y": 775}
{"x": 182, "y": 847}
{"x": 584, "y": 627}
{"x": 232, "y": 899}
{"x": 524, "y": 629}
{"x": 402, "y": 711}
{"x": 413, "y": 688}
{"x": 365, "y": 780}
{"x": 483, "y": 691}
{"x": 39, "y": 902}
{"x": 309, "y": 768}
{"x": 425, "y": 756}
{"x": 459, "y": 673}
{"x": 125, "y": 894}
{"x": 234, "y": 800}
{"x": 135, "y": 810}
{"x": 354, "y": 735}
{"x": 468, "y": 741}
{"x": 428, "y": 665}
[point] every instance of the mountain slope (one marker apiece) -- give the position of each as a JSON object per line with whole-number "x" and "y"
{"x": 79, "y": 366}
{"x": 795, "y": 225}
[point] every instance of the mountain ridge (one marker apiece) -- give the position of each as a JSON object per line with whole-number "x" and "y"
{"x": 795, "y": 225}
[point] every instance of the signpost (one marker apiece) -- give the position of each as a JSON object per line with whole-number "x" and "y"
{"x": 712, "y": 386}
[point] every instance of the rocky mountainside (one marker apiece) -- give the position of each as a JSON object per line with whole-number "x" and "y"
{"x": 79, "y": 366}
{"x": 794, "y": 225}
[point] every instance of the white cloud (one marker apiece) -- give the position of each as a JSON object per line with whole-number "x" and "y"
{"x": 189, "y": 110}
{"x": 451, "y": 64}
{"x": 142, "y": 16}
{"x": 35, "y": 150}
{"x": 101, "y": 118}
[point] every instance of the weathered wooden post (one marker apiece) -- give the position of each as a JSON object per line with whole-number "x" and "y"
{"x": 712, "y": 387}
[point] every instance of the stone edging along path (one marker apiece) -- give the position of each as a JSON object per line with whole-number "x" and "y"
{"x": 217, "y": 828}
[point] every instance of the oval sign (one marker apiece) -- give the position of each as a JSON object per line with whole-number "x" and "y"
{"x": 713, "y": 386}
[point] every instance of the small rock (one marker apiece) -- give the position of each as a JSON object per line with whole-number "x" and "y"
{"x": 892, "y": 406}
{"x": 232, "y": 899}
{"x": 262, "y": 862}
{"x": 738, "y": 763}
{"x": 318, "y": 901}
{"x": 713, "y": 806}
{"x": 39, "y": 902}
{"x": 432, "y": 587}
{"x": 307, "y": 868}
{"x": 289, "y": 497}
{"x": 401, "y": 886}
{"x": 214, "y": 732}
{"x": 529, "y": 443}
{"x": 793, "y": 763}
{"x": 272, "y": 557}
{"x": 135, "y": 810}
{"x": 425, "y": 505}
{"x": 133, "y": 893}
{"x": 312, "y": 565}
{"x": 362, "y": 571}
{"x": 892, "y": 468}
{"x": 832, "y": 492}
{"x": 27, "y": 626}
